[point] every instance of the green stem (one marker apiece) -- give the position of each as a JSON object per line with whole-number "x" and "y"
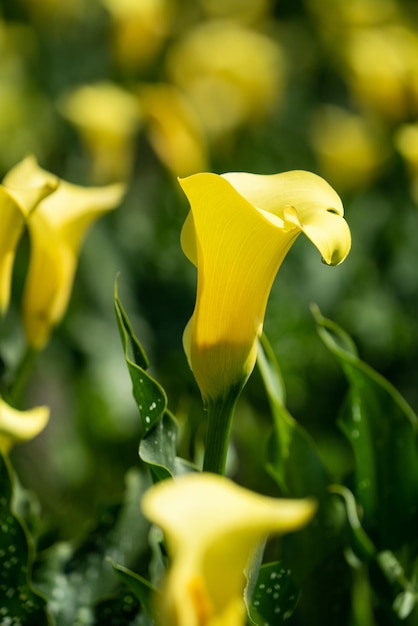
{"x": 20, "y": 375}
{"x": 220, "y": 414}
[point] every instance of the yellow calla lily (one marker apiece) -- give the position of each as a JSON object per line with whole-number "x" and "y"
{"x": 233, "y": 74}
{"x": 17, "y": 200}
{"x": 237, "y": 233}
{"x": 107, "y": 119}
{"x": 213, "y": 528}
{"x": 57, "y": 229}
{"x": 19, "y": 426}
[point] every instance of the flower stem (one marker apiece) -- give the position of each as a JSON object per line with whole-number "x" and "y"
{"x": 220, "y": 414}
{"x": 23, "y": 368}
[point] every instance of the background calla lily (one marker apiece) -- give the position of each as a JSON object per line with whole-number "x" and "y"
{"x": 19, "y": 426}
{"x": 57, "y": 229}
{"x": 18, "y": 197}
{"x": 237, "y": 233}
{"x": 213, "y": 528}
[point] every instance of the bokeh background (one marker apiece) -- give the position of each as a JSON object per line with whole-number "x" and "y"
{"x": 144, "y": 91}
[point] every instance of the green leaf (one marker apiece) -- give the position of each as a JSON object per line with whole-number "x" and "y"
{"x": 315, "y": 553}
{"x": 292, "y": 457}
{"x": 150, "y": 397}
{"x": 139, "y": 586}
{"x": 158, "y": 444}
{"x": 121, "y": 610}
{"x": 19, "y": 602}
{"x": 275, "y": 596}
{"x": 382, "y": 430}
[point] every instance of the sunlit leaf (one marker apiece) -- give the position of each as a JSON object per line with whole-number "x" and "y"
{"x": 158, "y": 444}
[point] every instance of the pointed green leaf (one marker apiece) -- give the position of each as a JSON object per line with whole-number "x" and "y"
{"x": 158, "y": 445}
{"x": 19, "y": 602}
{"x": 150, "y": 397}
{"x": 382, "y": 430}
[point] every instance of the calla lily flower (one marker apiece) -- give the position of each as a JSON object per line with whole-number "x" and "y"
{"x": 107, "y": 118}
{"x": 350, "y": 150}
{"x": 57, "y": 229}
{"x": 237, "y": 234}
{"x": 17, "y": 200}
{"x": 19, "y": 426}
{"x": 232, "y": 74}
{"x": 212, "y": 529}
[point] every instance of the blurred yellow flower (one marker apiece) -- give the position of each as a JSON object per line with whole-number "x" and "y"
{"x": 19, "y": 426}
{"x": 57, "y": 229}
{"x": 237, "y": 234}
{"x": 350, "y": 151}
{"x": 232, "y": 73}
{"x": 213, "y": 528}
{"x": 107, "y": 118}
{"x": 139, "y": 29}
{"x": 17, "y": 200}
{"x": 406, "y": 142}
{"x": 381, "y": 65}
{"x": 174, "y": 129}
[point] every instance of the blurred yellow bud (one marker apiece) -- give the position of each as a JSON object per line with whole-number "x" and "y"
{"x": 19, "y": 426}
{"x": 406, "y": 142}
{"x": 139, "y": 29}
{"x": 213, "y": 528}
{"x": 174, "y": 129}
{"x": 238, "y": 232}
{"x": 382, "y": 69}
{"x": 57, "y": 229}
{"x": 349, "y": 150}
{"x": 107, "y": 118}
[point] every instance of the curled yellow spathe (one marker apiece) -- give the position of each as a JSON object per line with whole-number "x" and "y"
{"x": 18, "y": 198}
{"x": 57, "y": 229}
{"x": 238, "y": 232}
{"x": 213, "y": 528}
{"x": 19, "y": 426}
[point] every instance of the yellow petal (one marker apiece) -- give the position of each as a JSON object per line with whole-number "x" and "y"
{"x": 29, "y": 184}
{"x": 237, "y": 233}
{"x": 212, "y": 528}
{"x": 57, "y": 229}
{"x": 19, "y": 194}
{"x": 19, "y": 426}
{"x": 304, "y": 199}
